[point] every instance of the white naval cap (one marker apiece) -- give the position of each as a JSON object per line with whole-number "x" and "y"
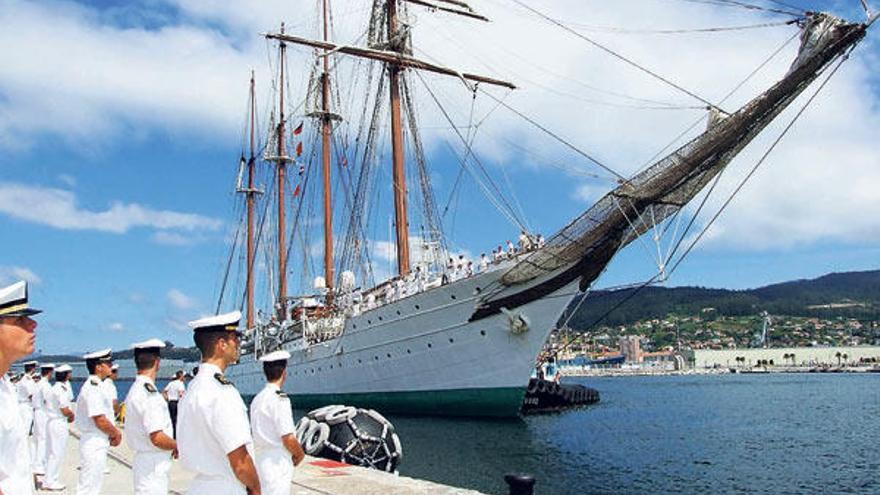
{"x": 115, "y": 367}
{"x": 29, "y": 363}
{"x": 63, "y": 368}
{"x": 275, "y": 356}
{"x": 14, "y": 300}
{"x": 148, "y": 344}
{"x": 47, "y": 366}
{"x": 226, "y": 322}
{"x": 102, "y": 355}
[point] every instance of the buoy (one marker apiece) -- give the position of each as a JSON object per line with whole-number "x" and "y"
{"x": 361, "y": 437}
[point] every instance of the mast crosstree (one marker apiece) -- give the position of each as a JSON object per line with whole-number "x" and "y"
{"x": 396, "y": 60}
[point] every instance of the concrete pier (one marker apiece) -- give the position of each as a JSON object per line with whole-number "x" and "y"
{"x": 312, "y": 477}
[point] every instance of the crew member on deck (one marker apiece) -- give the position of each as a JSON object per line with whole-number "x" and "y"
{"x": 148, "y": 429}
{"x": 173, "y": 392}
{"x": 215, "y": 437}
{"x": 94, "y": 419}
{"x": 58, "y": 409}
{"x": 272, "y": 423}
{"x": 38, "y": 401}
{"x": 16, "y": 341}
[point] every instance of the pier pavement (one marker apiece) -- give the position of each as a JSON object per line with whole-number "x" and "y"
{"x": 312, "y": 477}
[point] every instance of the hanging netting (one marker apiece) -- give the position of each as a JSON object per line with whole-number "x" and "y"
{"x": 644, "y": 201}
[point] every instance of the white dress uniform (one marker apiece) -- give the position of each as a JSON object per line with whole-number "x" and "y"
{"x": 146, "y": 413}
{"x": 271, "y": 419}
{"x": 93, "y": 401}
{"x": 212, "y": 422}
{"x": 15, "y": 473}
{"x": 61, "y": 396}
{"x": 25, "y": 388}
{"x": 38, "y": 401}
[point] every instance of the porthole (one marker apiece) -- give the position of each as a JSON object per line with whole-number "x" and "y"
{"x": 429, "y": 345}
{"x": 451, "y": 340}
{"x": 360, "y": 362}
{"x": 376, "y": 358}
{"x": 389, "y": 354}
{"x": 408, "y": 351}
{"x": 398, "y": 312}
{"x": 477, "y": 290}
{"x": 417, "y": 307}
{"x": 483, "y": 333}
{"x": 354, "y": 326}
{"x": 380, "y": 318}
{"x": 452, "y": 296}
{"x": 331, "y": 366}
{"x": 369, "y": 322}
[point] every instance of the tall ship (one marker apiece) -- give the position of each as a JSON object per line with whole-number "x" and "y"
{"x": 435, "y": 334}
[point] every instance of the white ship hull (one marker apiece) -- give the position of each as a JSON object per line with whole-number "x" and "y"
{"x": 424, "y": 354}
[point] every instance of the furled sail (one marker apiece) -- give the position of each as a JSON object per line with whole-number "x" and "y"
{"x": 585, "y": 246}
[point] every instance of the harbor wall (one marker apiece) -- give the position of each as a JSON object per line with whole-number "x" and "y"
{"x": 804, "y": 356}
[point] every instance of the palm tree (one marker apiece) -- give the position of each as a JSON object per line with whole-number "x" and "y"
{"x": 792, "y": 358}
{"x": 838, "y": 356}
{"x": 844, "y": 357}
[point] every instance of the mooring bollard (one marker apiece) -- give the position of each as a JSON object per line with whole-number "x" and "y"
{"x": 520, "y": 484}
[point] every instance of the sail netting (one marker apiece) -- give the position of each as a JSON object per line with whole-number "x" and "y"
{"x": 651, "y": 196}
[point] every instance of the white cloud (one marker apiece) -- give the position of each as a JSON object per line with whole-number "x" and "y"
{"x": 817, "y": 187}
{"x": 11, "y": 274}
{"x": 58, "y": 208}
{"x": 116, "y": 327}
{"x": 174, "y": 239}
{"x": 181, "y": 301}
{"x": 68, "y": 180}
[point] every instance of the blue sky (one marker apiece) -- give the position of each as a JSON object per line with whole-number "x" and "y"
{"x": 120, "y": 131}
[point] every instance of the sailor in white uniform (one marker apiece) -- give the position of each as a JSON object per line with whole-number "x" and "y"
{"x": 275, "y": 443}
{"x": 147, "y": 423}
{"x": 109, "y": 384}
{"x": 94, "y": 419}
{"x": 17, "y": 338}
{"x": 213, "y": 433}
{"x": 59, "y": 403}
{"x": 25, "y": 388}
{"x": 38, "y": 401}
{"x": 173, "y": 392}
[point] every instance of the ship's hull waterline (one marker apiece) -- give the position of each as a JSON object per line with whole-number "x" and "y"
{"x": 423, "y": 354}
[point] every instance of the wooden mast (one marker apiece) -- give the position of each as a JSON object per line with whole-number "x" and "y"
{"x": 282, "y": 182}
{"x": 325, "y": 155}
{"x": 401, "y": 227}
{"x": 396, "y": 59}
{"x": 251, "y": 191}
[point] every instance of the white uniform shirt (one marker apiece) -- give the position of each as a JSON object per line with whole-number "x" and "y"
{"x": 145, "y": 412}
{"x": 60, "y": 396}
{"x": 25, "y": 389}
{"x": 175, "y": 389}
{"x": 42, "y": 393}
{"x": 271, "y": 417}
{"x": 110, "y": 389}
{"x": 15, "y": 472}
{"x": 211, "y": 422}
{"x": 93, "y": 401}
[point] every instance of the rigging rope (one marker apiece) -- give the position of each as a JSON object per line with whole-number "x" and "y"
{"x": 613, "y": 53}
{"x": 554, "y": 136}
{"x": 797, "y": 12}
{"x": 507, "y": 210}
{"x": 841, "y": 60}
{"x": 615, "y": 30}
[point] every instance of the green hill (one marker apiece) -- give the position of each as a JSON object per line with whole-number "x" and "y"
{"x": 849, "y": 294}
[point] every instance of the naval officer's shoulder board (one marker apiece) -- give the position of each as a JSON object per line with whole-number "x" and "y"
{"x": 222, "y": 379}
{"x": 94, "y": 381}
{"x": 281, "y": 394}
{"x": 150, "y": 388}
